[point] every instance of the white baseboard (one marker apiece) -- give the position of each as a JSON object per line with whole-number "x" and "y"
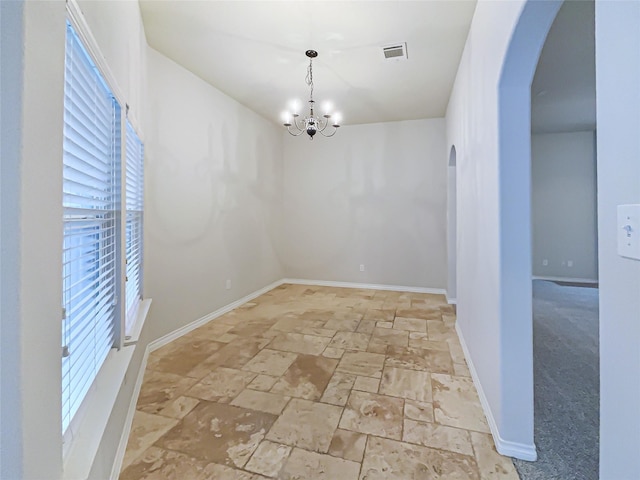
{"x": 504, "y": 447}
{"x": 369, "y": 286}
{"x": 169, "y": 337}
{"x": 451, "y": 301}
{"x": 588, "y": 281}
{"x": 515, "y": 450}
{"x": 126, "y": 429}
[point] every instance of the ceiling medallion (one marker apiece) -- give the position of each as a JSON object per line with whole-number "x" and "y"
{"x": 311, "y": 124}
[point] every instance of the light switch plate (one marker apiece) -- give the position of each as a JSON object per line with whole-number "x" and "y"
{"x": 629, "y": 231}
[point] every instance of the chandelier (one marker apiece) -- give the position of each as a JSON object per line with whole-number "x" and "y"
{"x": 311, "y": 124}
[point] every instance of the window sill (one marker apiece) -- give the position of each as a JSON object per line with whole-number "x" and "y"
{"x": 141, "y": 315}
{"x": 83, "y": 437}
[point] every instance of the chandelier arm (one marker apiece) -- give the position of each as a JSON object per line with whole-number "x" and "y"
{"x": 330, "y": 134}
{"x": 295, "y": 134}
{"x": 323, "y": 123}
{"x": 300, "y": 124}
{"x": 294, "y": 125}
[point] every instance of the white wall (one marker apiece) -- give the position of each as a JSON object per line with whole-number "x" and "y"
{"x": 472, "y": 128}
{"x": 492, "y": 231}
{"x": 373, "y": 195}
{"x": 214, "y": 180}
{"x": 31, "y": 238}
{"x": 618, "y": 107}
{"x": 563, "y": 171}
{"x": 11, "y": 70}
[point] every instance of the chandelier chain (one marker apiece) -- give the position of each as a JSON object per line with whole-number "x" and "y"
{"x": 309, "y": 79}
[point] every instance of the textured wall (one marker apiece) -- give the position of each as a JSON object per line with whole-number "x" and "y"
{"x": 563, "y": 182}
{"x": 617, "y": 40}
{"x": 373, "y": 195}
{"x": 213, "y": 197}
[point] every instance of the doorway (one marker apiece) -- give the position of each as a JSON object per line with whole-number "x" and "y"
{"x": 618, "y": 102}
{"x": 564, "y": 250}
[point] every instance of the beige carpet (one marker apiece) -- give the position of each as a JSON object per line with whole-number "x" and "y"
{"x": 567, "y": 383}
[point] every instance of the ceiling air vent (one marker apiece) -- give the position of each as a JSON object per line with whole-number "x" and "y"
{"x": 397, "y": 51}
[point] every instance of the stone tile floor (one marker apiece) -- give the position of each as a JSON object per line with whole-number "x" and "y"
{"x": 315, "y": 383}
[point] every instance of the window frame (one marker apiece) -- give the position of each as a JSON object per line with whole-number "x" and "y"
{"x": 132, "y": 312}
{"x": 91, "y": 200}
{"x": 82, "y": 436}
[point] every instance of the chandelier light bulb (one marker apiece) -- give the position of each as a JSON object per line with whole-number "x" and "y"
{"x": 286, "y": 118}
{"x": 294, "y": 107}
{"x": 337, "y": 118}
{"x": 298, "y": 122}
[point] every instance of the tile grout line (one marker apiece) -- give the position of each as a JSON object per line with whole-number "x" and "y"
{"x": 370, "y": 337}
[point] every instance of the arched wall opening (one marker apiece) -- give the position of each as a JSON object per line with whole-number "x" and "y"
{"x": 514, "y": 127}
{"x": 488, "y": 118}
{"x": 564, "y": 250}
{"x": 618, "y": 153}
{"x": 451, "y": 227}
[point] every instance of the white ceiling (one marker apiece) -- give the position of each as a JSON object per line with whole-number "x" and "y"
{"x": 254, "y": 52}
{"x": 563, "y": 92}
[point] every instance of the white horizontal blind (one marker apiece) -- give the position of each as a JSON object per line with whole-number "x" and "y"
{"x": 134, "y": 211}
{"x": 91, "y": 161}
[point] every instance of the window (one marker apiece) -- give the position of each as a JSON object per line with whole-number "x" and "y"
{"x": 133, "y": 242}
{"x": 93, "y": 267}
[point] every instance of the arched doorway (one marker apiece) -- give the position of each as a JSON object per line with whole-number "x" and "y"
{"x": 565, "y": 299}
{"x": 488, "y": 118}
{"x": 618, "y": 101}
{"x": 516, "y": 332}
